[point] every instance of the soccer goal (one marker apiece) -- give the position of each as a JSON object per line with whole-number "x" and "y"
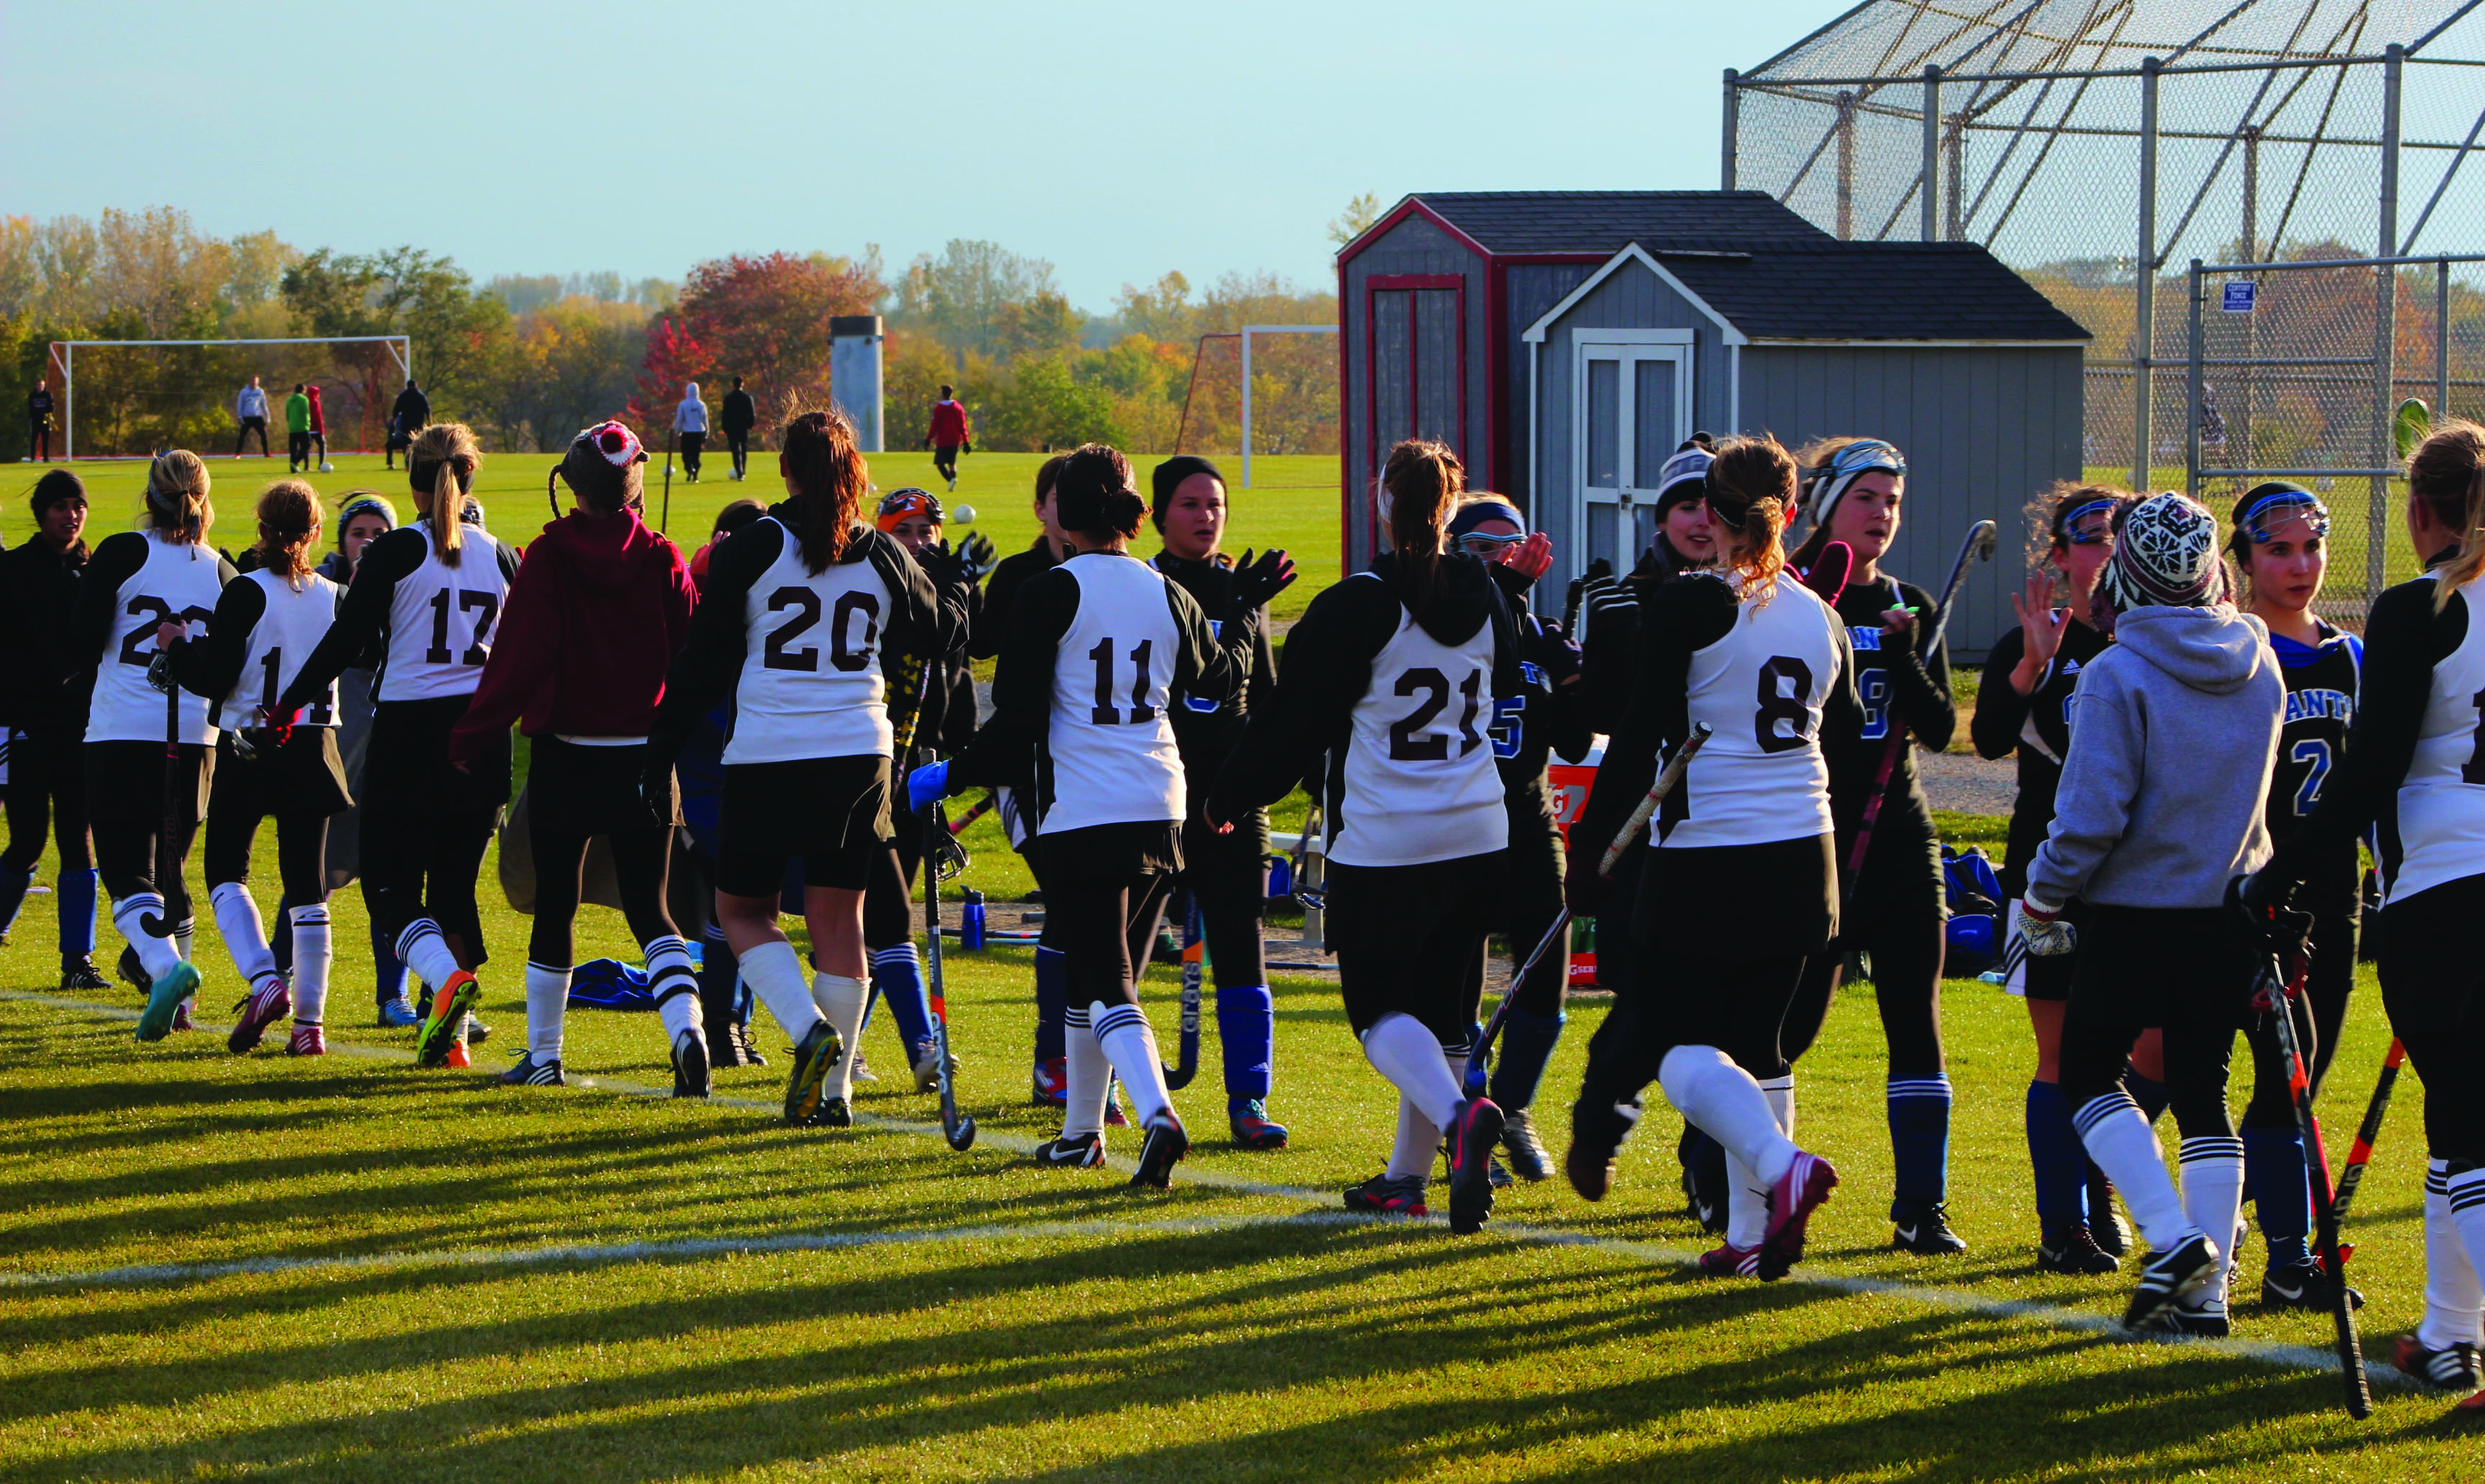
{"x": 1293, "y": 393}
{"x": 129, "y": 398}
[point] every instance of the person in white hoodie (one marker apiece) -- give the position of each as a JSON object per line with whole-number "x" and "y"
{"x": 690, "y": 422}
{"x": 2148, "y": 838}
{"x": 250, "y": 410}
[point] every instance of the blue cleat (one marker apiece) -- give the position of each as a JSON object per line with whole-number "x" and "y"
{"x": 163, "y": 997}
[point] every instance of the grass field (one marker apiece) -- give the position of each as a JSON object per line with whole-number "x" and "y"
{"x": 214, "y": 1267}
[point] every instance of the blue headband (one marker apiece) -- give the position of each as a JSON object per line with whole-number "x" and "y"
{"x": 1471, "y": 517}
{"x": 2284, "y": 495}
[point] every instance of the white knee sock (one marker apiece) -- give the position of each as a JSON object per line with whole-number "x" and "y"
{"x": 421, "y": 948}
{"x": 2466, "y": 1192}
{"x": 1780, "y": 1091}
{"x": 1705, "y": 1086}
{"x": 1091, "y": 1075}
{"x": 1129, "y": 1043}
{"x": 1418, "y": 1143}
{"x": 673, "y": 980}
{"x": 2116, "y": 1135}
{"x": 183, "y": 932}
{"x": 840, "y": 998}
{"x": 776, "y": 979}
{"x": 547, "y": 1001}
{"x": 1400, "y": 1049}
{"x": 314, "y": 955}
{"x": 156, "y": 955}
{"x": 1747, "y": 1195}
{"x": 2454, "y": 1300}
{"x": 245, "y": 938}
{"x": 2213, "y": 1191}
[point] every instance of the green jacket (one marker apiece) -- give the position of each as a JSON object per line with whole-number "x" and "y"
{"x": 297, "y": 414}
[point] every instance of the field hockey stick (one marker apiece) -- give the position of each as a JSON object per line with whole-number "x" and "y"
{"x": 1666, "y": 778}
{"x": 2360, "y": 1153}
{"x": 983, "y": 807}
{"x": 1827, "y": 577}
{"x": 2325, "y": 1205}
{"x": 168, "y": 861}
{"x": 1978, "y": 547}
{"x": 1194, "y": 962}
{"x": 956, "y": 1128}
{"x": 666, "y": 519}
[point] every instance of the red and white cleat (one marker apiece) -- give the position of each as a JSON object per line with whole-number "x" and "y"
{"x": 1727, "y": 1260}
{"x": 1798, "y": 1193}
{"x": 269, "y": 1003}
{"x": 309, "y": 1040}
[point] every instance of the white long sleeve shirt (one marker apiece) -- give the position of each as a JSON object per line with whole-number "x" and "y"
{"x": 251, "y": 403}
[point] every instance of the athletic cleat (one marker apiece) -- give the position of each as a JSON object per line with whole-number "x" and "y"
{"x": 457, "y": 1059}
{"x": 1247, "y": 1117}
{"x": 1727, "y": 1260}
{"x": 2167, "y": 1280}
{"x": 1798, "y": 1193}
{"x": 78, "y": 972}
{"x": 1526, "y": 1153}
{"x": 164, "y": 1001}
{"x": 181, "y": 1020}
{"x": 750, "y": 1048}
{"x": 1114, "y": 1118}
{"x": 723, "y": 1048}
{"x": 1475, "y": 1127}
{"x": 308, "y": 1041}
{"x": 813, "y": 1060}
{"x": 2202, "y": 1319}
{"x": 476, "y": 1032}
{"x": 833, "y": 1114}
{"x": 1167, "y": 1145}
{"x": 2469, "y": 1412}
{"x": 1596, "y": 1135}
{"x": 926, "y": 1066}
{"x": 1381, "y": 1196}
{"x": 692, "y": 1076}
{"x": 2106, "y": 1225}
{"x": 1072, "y": 1151}
{"x": 2302, "y": 1285}
{"x": 531, "y": 1073}
{"x": 439, "y": 1030}
{"x": 1497, "y": 1173}
{"x": 2074, "y": 1251}
{"x": 1927, "y": 1233}
{"x": 1049, "y": 1083}
{"x": 129, "y": 970}
{"x": 862, "y": 1071}
{"x": 261, "y": 1008}
{"x": 2455, "y": 1369}
{"x": 398, "y": 1014}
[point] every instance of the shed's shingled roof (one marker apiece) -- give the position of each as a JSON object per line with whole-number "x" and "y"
{"x": 1827, "y": 290}
{"x": 1602, "y": 221}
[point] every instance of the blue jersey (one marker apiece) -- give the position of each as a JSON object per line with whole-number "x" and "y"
{"x": 2323, "y": 681}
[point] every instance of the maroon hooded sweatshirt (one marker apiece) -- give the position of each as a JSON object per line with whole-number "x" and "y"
{"x": 600, "y": 606}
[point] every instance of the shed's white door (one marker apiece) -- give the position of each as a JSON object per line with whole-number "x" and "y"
{"x": 1633, "y": 394}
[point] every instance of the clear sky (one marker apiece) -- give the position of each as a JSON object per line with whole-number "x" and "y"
{"x": 1117, "y": 139}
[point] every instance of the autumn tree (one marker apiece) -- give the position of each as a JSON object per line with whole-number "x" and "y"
{"x": 766, "y": 320}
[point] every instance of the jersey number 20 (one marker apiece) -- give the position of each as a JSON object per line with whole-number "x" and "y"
{"x": 806, "y": 604}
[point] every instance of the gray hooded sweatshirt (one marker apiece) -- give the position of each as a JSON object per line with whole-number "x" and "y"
{"x": 2173, "y": 731}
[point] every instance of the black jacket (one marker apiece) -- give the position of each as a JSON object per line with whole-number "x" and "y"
{"x": 740, "y": 414}
{"x": 38, "y": 589}
{"x": 1204, "y": 731}
{"x": 412, "y": 411}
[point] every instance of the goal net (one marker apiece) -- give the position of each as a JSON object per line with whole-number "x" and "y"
{"x": 130, "y": 399}
{"x": 1284, "y": 406}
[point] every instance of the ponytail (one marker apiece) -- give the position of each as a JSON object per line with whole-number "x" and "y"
{"x": 1751, "y": 493}
{"x": 828, "y": 475}
{"x": 1096, "y": 495}
{"x": 1424, "y": 481}
{"x": 443, "y": 462}
{"x": 288, "y": 522}
{"x": 2447, "y": 473}
{"x": 177, "y": 496}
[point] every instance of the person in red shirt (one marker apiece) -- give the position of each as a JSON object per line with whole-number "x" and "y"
{"x": 948, "y": 435}
{"x": 598, "y": 609}
{"x": 320, "y": 427}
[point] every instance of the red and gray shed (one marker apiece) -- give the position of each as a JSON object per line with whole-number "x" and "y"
{"x": 1565, "y": 342}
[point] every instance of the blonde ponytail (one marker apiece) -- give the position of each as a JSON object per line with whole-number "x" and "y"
{"x": 448, "y": 452}
{"x": 177, "y": 496}
{"x": 2446, "y": 472}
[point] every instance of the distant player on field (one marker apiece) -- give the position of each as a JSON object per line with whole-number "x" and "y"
{"x": 250, "y": 410}
{"x": 407, "y": 418}
{"x": 741, "y": 414}
{"x": 320, "y": 424}
{"x": 948, "y": 435}
{"x": 297, "y": 430}
{"x": 46, "y": 720}
{"x": 38, "y": 416}
{"x": 690, "y": 423}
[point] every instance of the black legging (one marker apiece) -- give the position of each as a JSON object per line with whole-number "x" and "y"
{"x": 47, "y": 797}
{"x": 639, "y": 859}
{"x": 1224, "y": 873}
{"x": 1103, "y": 925}
{"x": 1411, "y": 940}
{"x": 301, "y": 852}
{"x": 250, "y": 426}
{"x": 2185, "y": 970}
{"x": 1894, "y": 910}
{"x": 691, "y": 443}
{"x": 425, "y": 825}
{"x": 1527, "y": 906}
{"x": 2433, "y": 987}
{"x": 2319, "y": 1011}
{"x": 738, "y": 444}
{"x": 126, "y": 833}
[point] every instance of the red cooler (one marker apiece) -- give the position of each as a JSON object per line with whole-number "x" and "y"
{"x": 1570, "y": 784}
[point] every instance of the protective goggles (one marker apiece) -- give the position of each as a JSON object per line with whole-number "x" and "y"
{"x": 901, "y": 505}
{"x": 1831, "y": 481}
{"x": 2272, "y": 506}
{"x": 1478, "y": 543}
{"x": 2088, "y": 524}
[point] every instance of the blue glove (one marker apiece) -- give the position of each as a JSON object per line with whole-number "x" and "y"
{"x": 927, "y": 785}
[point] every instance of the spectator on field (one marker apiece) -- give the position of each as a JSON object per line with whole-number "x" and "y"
{"x": 297, "y": 430}
{"x": 250, "y": 408}
{"x": 39, "y": 413}
{"x": 409, "y": 417}
{"x": 320, "y": 426}
{"x": 740, "y": 415}
{"x": 949, "y": 434}
{"x": 689, "y": 421}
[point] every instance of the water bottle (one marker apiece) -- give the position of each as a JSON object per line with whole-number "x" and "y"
{"x": 971, "y": 922}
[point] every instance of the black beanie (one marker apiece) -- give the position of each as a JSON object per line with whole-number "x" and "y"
{"x": 1169, "y": 478}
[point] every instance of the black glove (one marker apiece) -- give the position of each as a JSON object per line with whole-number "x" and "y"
{"x": 969, "y": 448}
{"x": 2278, "y": 929}
{"x": 1577, "y": 593}
{"x": 1256, "y": 582}
{"x": 977, "y": 556}
{"x": 927, "y": 440}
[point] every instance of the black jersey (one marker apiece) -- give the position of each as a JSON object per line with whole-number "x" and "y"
{"x": 2035, "y": 724}
{"x": 1901, "y": 683}
{"x": 1204, "y": 727}
{"x": 39, "y": 586}
{"x": 1000, "y": 596}
{"x": 1548, "y": 712}
{"x": 2323, "y": 681}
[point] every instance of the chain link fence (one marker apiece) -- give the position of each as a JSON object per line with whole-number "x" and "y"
{"x": 2098, "y": 147}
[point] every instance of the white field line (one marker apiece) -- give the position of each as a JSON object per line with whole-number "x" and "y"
{"x": 1655, "y": 1254}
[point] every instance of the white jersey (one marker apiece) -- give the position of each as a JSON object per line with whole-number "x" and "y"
{"x": 1421, "y": 783}
{"x": 2441, "y": 801}
{"x": 441, "y": 619}
{"x": 288, "y": 630}
{"x": 179, "y": 582}
{"x": 811, "y": 684}
{"x": 1109, "y": 747}
{"x": 1760, "y": 776}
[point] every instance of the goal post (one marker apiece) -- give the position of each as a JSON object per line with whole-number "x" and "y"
{"x": 1304, "y": 391}
{"x": 1248, "y": 331}
{"x": 145, "y": 395}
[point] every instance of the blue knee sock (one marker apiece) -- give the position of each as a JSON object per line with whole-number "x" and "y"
{"x": 2055, "y": 1153}
{"x": 898, "y": 975}
{"x": 279, "y": 939}
{"x": 1919, "y": 1144}
{"x": 1526, "y": 1045}
{"x": 389, "y": 969}
{"x": 1051, "y": 1002}
{"x": 75, "y": 891}
{"x": 1247, "y": 1031}
{"x": 2280, "y": 1176}
{"x": 13, "y": 895}
{"x": 2148, "y": 1091}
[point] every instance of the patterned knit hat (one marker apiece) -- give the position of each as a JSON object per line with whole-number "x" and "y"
{"x": 2165, "y": 555}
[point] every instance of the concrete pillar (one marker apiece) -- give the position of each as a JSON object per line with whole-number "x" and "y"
{"x": 854, "y": 375}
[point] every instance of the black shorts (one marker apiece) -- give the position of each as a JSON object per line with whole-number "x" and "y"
{"x": 125, "y": 783}
{"x": 1113, "y": 852}
{"x": 305, "y": 778}
{"x": 586, "y": 791}
{"x": 830, "y": 812}
{"x": 1412, "y": 939}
